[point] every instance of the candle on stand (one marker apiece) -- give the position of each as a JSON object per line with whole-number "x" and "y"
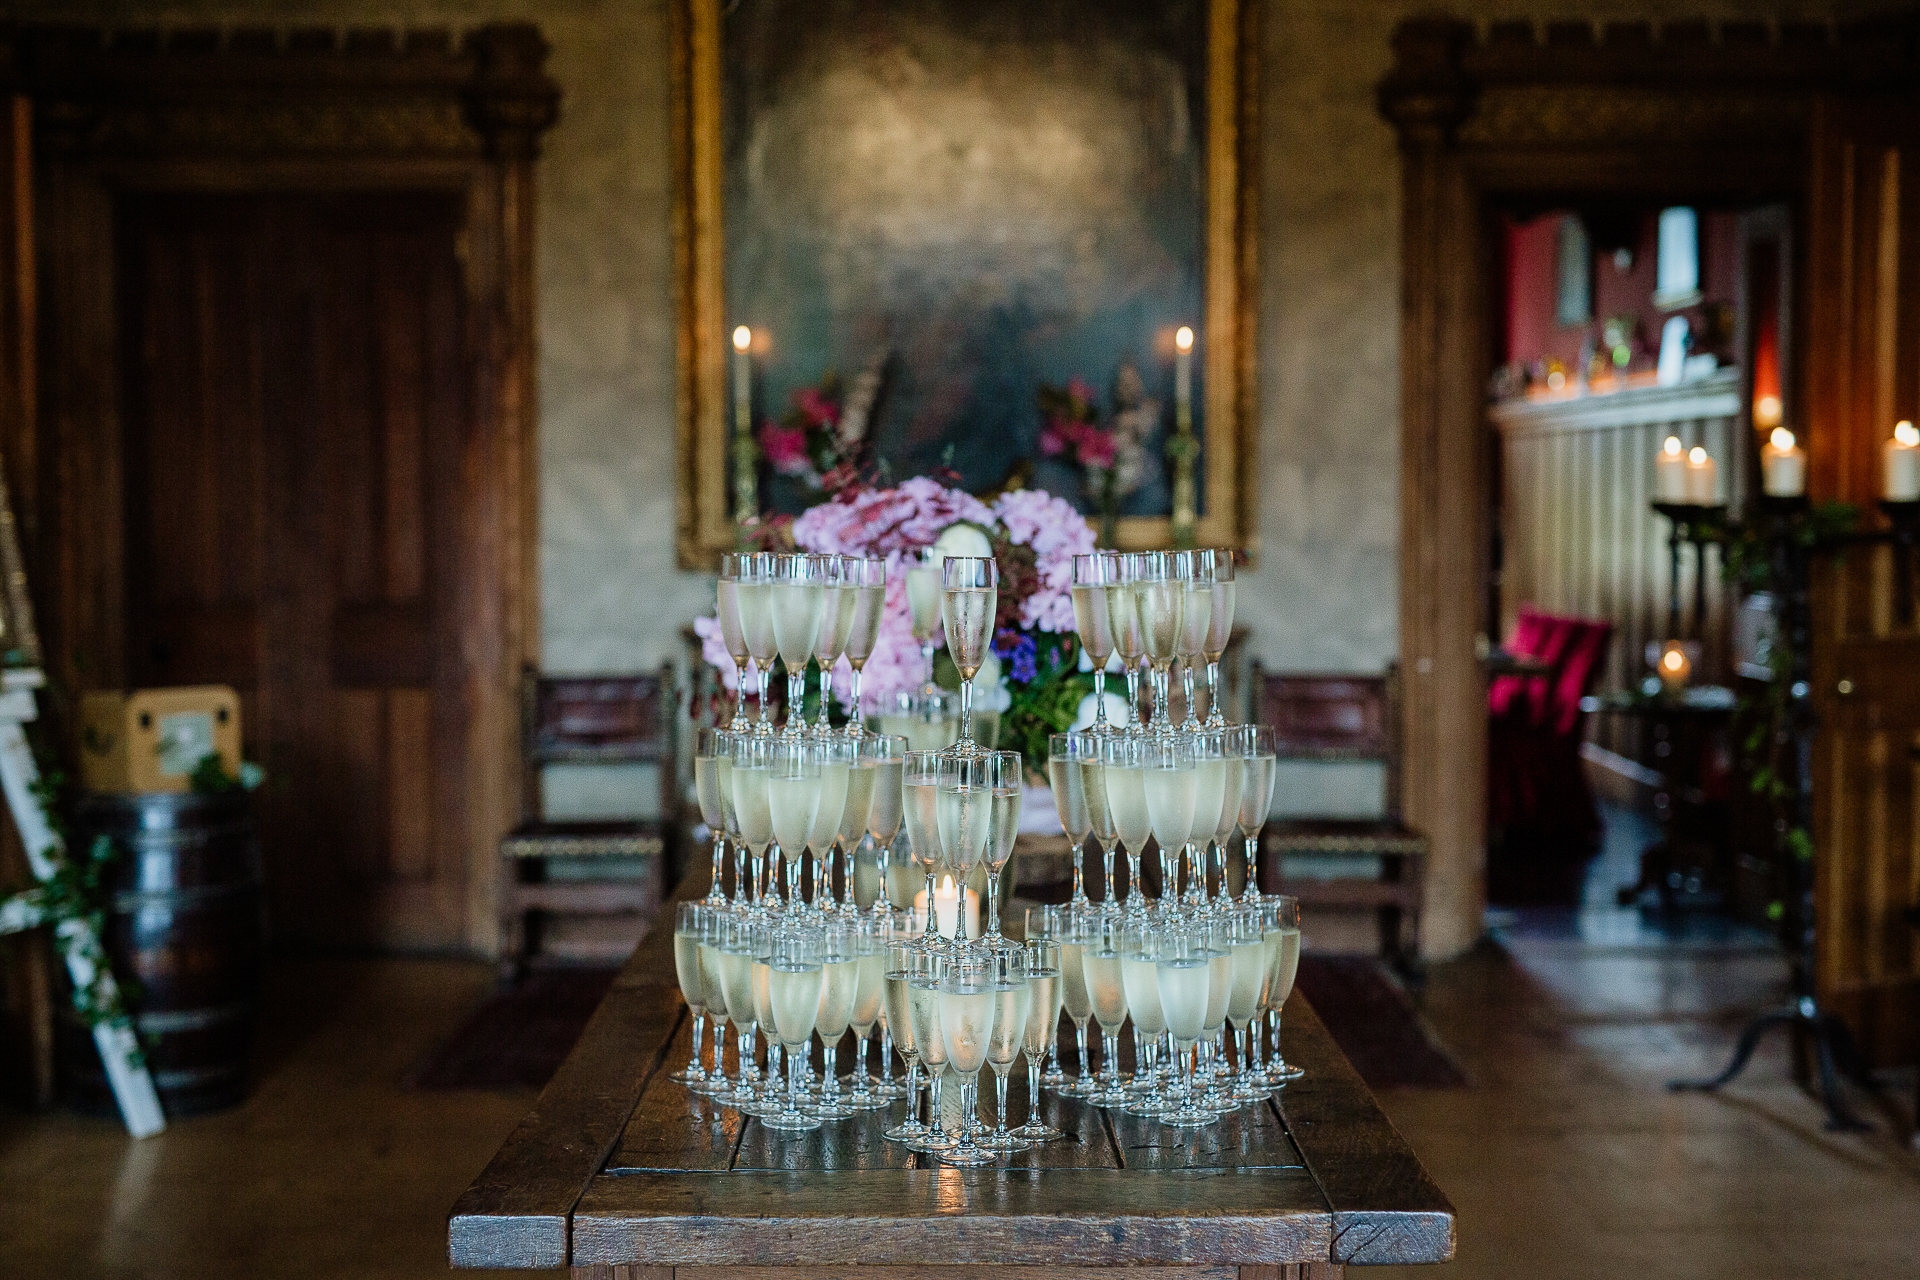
{"x": 1675, "y": 666}
{"x": 742, "y": 380}
{"x": 1903, "y": 465}
{"x": 1670, "y": 472}
{"x": 1183, "y": 375}
{"x": 946, "y": 908}
{"x": 1783, "y": 465}
{"x": 1703, "y": 483}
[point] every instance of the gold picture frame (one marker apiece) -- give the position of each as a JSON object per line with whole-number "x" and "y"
{"x": 705, "y": 525}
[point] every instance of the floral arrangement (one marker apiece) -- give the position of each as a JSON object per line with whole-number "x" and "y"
{"x": 1112, "y": 457}
{"x": 1031, "y": 534}
{"x": 822, "y": 439}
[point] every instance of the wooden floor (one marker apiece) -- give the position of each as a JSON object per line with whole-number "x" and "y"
{"x": 1567, "y": 1158}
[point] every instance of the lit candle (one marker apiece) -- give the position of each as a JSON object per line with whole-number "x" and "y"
{"x": 1675, "y": 666}
{"x": 1703, "y": 483}
{"x": 1903, "y": 465}
{"x": 946, "y": 907}
{"x": 742, "y": 380}
{"x": 1783, "y": 465}
{"x": 1183, "y": 373}
{"x": 1766, "y": 411}
{"x": 1670, "y": 472}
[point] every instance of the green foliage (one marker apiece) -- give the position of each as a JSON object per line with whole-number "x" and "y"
{"x": 1046, "y": 704}
{"x": 71, "y": 896}
{"x": 210, "y": 777}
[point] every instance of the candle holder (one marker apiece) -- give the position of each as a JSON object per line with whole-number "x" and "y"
{"x": 1904, "y": 519}
{"x": 1701, "y": 524}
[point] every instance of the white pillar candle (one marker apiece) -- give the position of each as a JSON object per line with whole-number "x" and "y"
{"x": 1670, "y": 472}
{"x": 1903, "y": 465}
{"x": 1183, "y": 372}
{"x": 1783, "y": 465}
{"x": 1703, "y": 481}
{"x": 946, "y": 908}
{"x": 1675, "y": 666}
{"x": 742, "y": 380}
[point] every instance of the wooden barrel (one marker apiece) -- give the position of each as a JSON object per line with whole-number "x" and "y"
{"x": 184, "y": 923}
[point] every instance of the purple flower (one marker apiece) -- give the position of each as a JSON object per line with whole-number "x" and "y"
{"x": 1018, "y": 650}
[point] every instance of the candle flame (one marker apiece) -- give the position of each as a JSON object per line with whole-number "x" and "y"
{"x": 1183, "y": 338}
{"x": 1906, "y": 435}
{"x": 1782, "y": 439}
{"x": 1674, "y": 660}
{"x": 1766, "y": 410}
{"x": 742, "y": 338}
{"x": 1672, "y": 447}
{"x": 1697, "y": 456}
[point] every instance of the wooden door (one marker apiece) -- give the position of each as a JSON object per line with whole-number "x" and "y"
{"x": 1862, "y": 353}
{"x": 294, "y": 400}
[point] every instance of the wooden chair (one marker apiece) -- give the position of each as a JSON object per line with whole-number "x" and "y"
{"x": 587, "y": 720}
{"x": 1345, "y": 718}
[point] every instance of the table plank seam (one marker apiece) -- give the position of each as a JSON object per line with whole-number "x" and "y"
{"x": 660, "y": 1056}
{"x": 1333, "y": 1216}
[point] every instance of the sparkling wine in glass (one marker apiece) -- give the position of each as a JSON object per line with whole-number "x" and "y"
{"x": 920, "y": 790}
{"x": 709, "y": 745}
{"x": 1281, "y": 934}
{"x": 798, "y": 598}
{"x": 923, "y": 606}
{"x": 1094, "y": 576}
{"x": 1194, "y": 571}
{"x": 794, "y": 983}
{"x": 837, "y": 758}
{"x": 732, "y": 631}
{"x": 925, "y": 970}
{"x": 1139, "y": 954}
{"x": 970, "y": 593}
{"x": 1209, "y": 794}
{"x": 966, "y": 1009}
{"x": 1123, "y": 773}
{"x": 753, "y": 596}
{"x": 1107, "y": 993}
{"x": 689, "y": 923}
{"x": 793, "y": 800}
{"x": 1005, "y": 776}
{"x": 1067, "y": 754}
{"x": 886, "y": 755}
{"x": 1219, "y": 632}
{"x": 1183, "y": 971}
{"x": 1255, "y": 745}
{"x": 1012, "y": 1009}
{"x": 1169, "y": 776}
{"x": 865, "y": 582}
{"x": 836, "y": 626}
{"x": 1129, "y": 635}
{"x": 1160, "y": 596}
{"x": 900, "y": 957}
{"x": 1041, "y": 1032}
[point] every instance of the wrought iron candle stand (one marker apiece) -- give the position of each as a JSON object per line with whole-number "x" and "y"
{"x": 1700, "y": 524}
{"x": 1791, "y": 550}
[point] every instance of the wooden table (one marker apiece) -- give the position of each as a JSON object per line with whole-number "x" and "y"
{"x": 619, "y": 1173}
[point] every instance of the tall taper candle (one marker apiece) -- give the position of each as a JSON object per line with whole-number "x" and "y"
{"x": 1902, "y": 480}
{"x": 1182, "y": 449}
{"x": 1183, "y": 379}
{"x": 746, "y": 455}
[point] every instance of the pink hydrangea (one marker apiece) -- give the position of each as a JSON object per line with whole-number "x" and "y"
{"x": 1057, "y": 533}
{"x": 786, "y": 449}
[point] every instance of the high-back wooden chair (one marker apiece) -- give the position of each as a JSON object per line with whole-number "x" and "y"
{"x": 592, "y": 720}
{"x": 1344, "y": 718}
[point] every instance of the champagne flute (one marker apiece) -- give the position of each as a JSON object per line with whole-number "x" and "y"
{"x": 926, "y": 970}
{"x": 895, "y": 926}
{"x": 1012, "y": 1009}
{"x": 923, "y": 606}
{"x": 1123, "y": 766}
{"x": 1141, "y": 944}
{"x": 733, "y": 944}
{"x": 1209, "y": 794}
{"x": 709, "y": 745}
{"x": 1041, "y": 1032}
{"x": 837, "y": 758}
{"x": 689, "y": 924}
{"x": 900, "y": 957}
{"x": 836, "y": 625}
{"x": 886, "y": 755}
{"x": 733, "y": 566}
{"x": 1093, "y": 577}
{"x": 753, "y": 593}
{"x": 1160, "y": 597}
{"x": 1282, "y": 938}
{"x": 963, "y": 817}
{"x": 766, "y": 1099}
{"x": 869, "y": 1000}
{"x": 1129, "y": 634}
{"x": 839, "y": 988}
{"x": 797, "y": 601}
{"x": 713, "y": 984}
{"x": 1248, "y": 996}
{"x": 1194, "y": 572}
{"x": 1067, "y": 753}
{"x": 793, "y": 798}
{"x": 1219, "y": 631}
{"x": 1168, "y": 776}
{"x": 864, "y": 581}
{"x": 1006, "y": 773}
{"x": 1093, "y": 782}
{"x": 853, "y": 820}
{"x": 1235, "y": 771}
{"x": 1214, "y": 1096}
{"x": 969, "y": 596}
{"x": 1256, "y": 746}
{"x": 1063, "y": 925}
{"x": 1099, "y": 936}
{"x": 752, "y": 763}
{"x": 794, "y": 981}
{"x": 965, "y": 995}
{"x": 920, "y": 790}
{"x": 1182, "y": 972}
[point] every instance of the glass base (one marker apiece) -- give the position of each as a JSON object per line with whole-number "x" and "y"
{"x": 966, "y": 1156}
{"x": 891, "y": 1090}
{"x": 868, "y": 1099}
{"x": 1009, "y": 1141}
{"x": 1056, "y": 1079}
{"x": 784, "y": 1121}
{"x": 907, "y": 1131}
{"x": 835, "y": 1108}
{"x": 1187, "y": 1117}
{"x": 1280, "y": 1072}
{"x": 1035, "y": 1131}
{"x": 694, "y": 1078}
{"x": 932, "y": 1141}
{"x": 1111, "y": 1095}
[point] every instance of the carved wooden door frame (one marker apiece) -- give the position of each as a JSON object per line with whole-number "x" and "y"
{"x": 1521, "y": 115}
{"x": 257, "y": 111}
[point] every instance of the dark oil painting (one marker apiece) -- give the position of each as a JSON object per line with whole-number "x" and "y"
{"x": 993, "y": 194}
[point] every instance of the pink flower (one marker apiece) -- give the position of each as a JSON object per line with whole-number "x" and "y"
{"x": 1057, "y": 533}
{"x": 1080, "y": 391}
{"x": 1096, "y": 448}
{"x": 819, "y": 410}
{"x": 1055, "y": 438}
{"x": 786, "y": 449}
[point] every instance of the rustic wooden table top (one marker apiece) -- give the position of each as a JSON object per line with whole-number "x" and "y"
{"x": 616, "y": 1165}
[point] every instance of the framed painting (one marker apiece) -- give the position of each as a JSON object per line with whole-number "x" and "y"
{"x": 932, "y": 213}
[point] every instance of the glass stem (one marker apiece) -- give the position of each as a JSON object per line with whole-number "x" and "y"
{"x": 966, "y": 710}
{"x": 926, "y": 658}
{"x": 765, "y": 724}
{"x": 1133, "y": 694}
{"x": 1133, "y": 878}
{"x": 796, "y": 701}
{"x": 826, "y": 693}
{"x": 993, "y": 903}
{"x": 1215, "y": 719}
{"x": 719, "y": 1071}
{"x": 715, "y": 894}
{"x": 1080, "y": 1040}
{"x": 694, "y": 1070}
{"x": 1186, "y": 685}
{"x": 1250, "y": 892}
{"x": 1100, "y": 698}
{"x": 1079, "y": 875}
{"x": 1110, "y": 1045}
{"x": 933, "y": 915}
{"x": 743, "y": 1045}
{"x": 793, "y": 1081}
{"x": 1000, "y": 1098}
{"x": 933, "y": 1102}
{"x": 1033, "y": 1091}
{"x": 853, "y": 716}
{"x": 739, "y": 692}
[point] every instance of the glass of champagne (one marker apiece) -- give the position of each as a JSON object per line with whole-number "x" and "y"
{"x": 896, "y": 926}
{"x": 1099, "y": 936}
{"x": 1215, "y": 1094}
{"x": 886, "y": 755}
{"x": 1282, "y": 938}
{"x": 793, "y": 798}
{"x": 836, "y": 625}
{"x": 1182, "y": 972}
{"x": 864, "y": 580}
{"x": 1255, "y": 745}
{"x": 1129, "y": 634}
{"x": 733, "y": 943}
{"x": 753, "y": 594}
{"x": 1005, "y": 774}
{"x": 839, "y": 988}
{"x": 1093, "y": 576}
{"x": 766, "y": 1098}
{"x": 925, "y": 970}
{"x": 752, "y": 763}
{"x": 1067, "y": 753}
{"x": 794, "y": 981}
{"x": 869, "y": 999}
{"x": 1140, "y": 945}
{"x": 1209, "y": 795}
{"x": 1062, "y": 924}
{"x": 963, "y": 815}
{"x": 1123, "y": 762}
{"x": 1093, "y": 782}
{"x": 798, "y": 598}
{"x": 837, "y": 758}
{"x": 1168, "y": 776}
{"x": 1160, "y": 595}
{"x": 966, "y": 993}
{"x": 1041, "y": 1033}
{"x": 689, "y": 923}
{"x": 713, "y": 986}
{"x": 1219, "y": 631}
{"x": 920, "y": 790}
{"x": 969, "y": 595}
{"x": 1235, "y": 770}
{"x": 923, "y": 606}
{"x": 1194, "y": 572}
{"x": 862, "y": 889}
{"x": 733, "y": 565}
{"x": 709, "y": 745}
{"x": 1013, "y": 1001}
{"x": 1247, "y": 998}
{"x": 900, "y": 957}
